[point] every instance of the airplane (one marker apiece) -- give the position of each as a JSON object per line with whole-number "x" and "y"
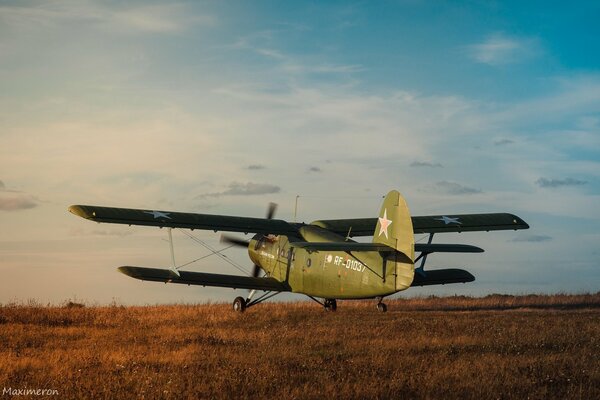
{"x": 320, "y": 259}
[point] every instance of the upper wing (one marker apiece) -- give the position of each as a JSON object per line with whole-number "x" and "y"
{"x": 184, "y": 220}
{"x": 350, "y": 227}
{"x": 205, "y": 279}
{"x": 430, "y": 224}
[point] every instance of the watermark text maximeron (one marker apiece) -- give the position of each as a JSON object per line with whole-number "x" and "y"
{"x": 10, "y": 391}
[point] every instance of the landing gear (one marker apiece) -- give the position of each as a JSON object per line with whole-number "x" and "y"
{"x": 330, "y": 305}
{"x": 381, "y": 307}
{"x": 239, "y": 304}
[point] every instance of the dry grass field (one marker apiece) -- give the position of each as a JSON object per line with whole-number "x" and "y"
{"x": 456, "y": 347}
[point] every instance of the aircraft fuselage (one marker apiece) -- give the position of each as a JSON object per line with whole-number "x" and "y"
{"x": 329, "y": 274}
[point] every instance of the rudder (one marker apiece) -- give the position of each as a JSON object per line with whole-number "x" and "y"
{"x": 395, "y": 229}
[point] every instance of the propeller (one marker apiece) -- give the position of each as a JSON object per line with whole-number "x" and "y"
{"x": 234, "y": 241}
{"x": 245, "y": 243}
{"x": 271, "y": 210}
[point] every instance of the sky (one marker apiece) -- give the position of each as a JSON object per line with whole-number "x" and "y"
{"x": 222, "y": 107}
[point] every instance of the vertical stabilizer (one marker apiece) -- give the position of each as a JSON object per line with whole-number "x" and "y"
{"x": 394, "y": 229}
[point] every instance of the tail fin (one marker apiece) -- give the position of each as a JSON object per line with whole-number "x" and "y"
{"x": 395, "y": 230}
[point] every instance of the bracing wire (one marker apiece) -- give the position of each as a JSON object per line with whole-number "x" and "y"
{"x": 203, "y": 257}
{"x": 423, "y": 238}
{"x": 215, "y": 252}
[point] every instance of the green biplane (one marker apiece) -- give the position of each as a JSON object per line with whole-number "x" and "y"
{"x": 319, "y": 259}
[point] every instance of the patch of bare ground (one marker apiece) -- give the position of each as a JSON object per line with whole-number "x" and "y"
{"x": 451, "y": 347}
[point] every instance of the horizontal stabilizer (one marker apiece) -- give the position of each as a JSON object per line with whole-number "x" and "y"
{"x": 447, "y": 248}
{"x": 441, "y": 277}
{"x": 205, "y": 279}
{"x": 352, "y": 247}
{"x": 342, "y": 246}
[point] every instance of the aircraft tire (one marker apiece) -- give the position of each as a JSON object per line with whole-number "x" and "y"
{"x": 239, "y": 304}
{"x": 381, "y": 307}
{"x": 330, "y": 305}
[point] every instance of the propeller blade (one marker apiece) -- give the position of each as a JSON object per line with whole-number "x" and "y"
{"x": 235, "y": 241}
{"x": 271, "y": 210}
{"x": 245, "y": 243}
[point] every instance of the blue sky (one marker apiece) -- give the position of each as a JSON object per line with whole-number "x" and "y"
{"x": 221, "y": 107}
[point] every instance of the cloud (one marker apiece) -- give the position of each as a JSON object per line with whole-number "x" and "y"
{"x": 255, "y": 167}
{"x": 503, "y": 142}
{"x": 455, "y": 188}
{"x": 14, "y": 200}
{"x": 17, "y": 203}
{"x": 245, "y": 189}
{"x": 419, "y": 164}
{"x": 322, "y": 69}
{"x": 315, "y": 169}
{"x": 3, "y": 188}
{"x": 532, "y": 238}
{"x": 554, "y": 183}
{"x": 259, "y": 43}
{"x": 158, "y": 18}
{"x": 79, "y": 231}
{"x": 499, "y": 49}
{"x": 153, "y": 18}
{"x": 136, "y": 179}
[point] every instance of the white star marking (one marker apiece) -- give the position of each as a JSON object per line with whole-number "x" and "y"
{"x": 158, "y": 214}
{"x": 449, "y": 220}
{"x": 384, "y": 224}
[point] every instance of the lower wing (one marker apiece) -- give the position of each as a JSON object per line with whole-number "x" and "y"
{"x": 441, "y": 277}
{"x": 204, "y": 279}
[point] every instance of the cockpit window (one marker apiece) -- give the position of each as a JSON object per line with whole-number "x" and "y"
{"x": 260, "y": 243}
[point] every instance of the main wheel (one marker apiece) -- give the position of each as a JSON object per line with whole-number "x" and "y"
{"x": 239, "y": 304}
{"x": 381, "y": 307}
{"x": 330, "y": 305}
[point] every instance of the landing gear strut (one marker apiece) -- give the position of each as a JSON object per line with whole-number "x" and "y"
{"x": 239, "y": 304}
{"x": 330, "y": 305}
{"x": 381, "y": 307}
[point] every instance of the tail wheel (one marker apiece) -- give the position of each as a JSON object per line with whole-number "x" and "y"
{"x": 239, "y": 304}
{"x": 381, "y": 307}
{"x": 330, "y": 305}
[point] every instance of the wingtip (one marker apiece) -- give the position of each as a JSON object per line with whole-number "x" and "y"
{"x": 82, "y": 211}
{"x": 520, "y": 222}
{"x": 126, "y": 270}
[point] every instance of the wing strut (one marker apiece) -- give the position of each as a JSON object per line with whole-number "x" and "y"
{"x": 421, "y": 269}
{"x": 174, "y": 268}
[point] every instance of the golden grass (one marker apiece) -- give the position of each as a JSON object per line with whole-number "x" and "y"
{"x": 452, "y": 347}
